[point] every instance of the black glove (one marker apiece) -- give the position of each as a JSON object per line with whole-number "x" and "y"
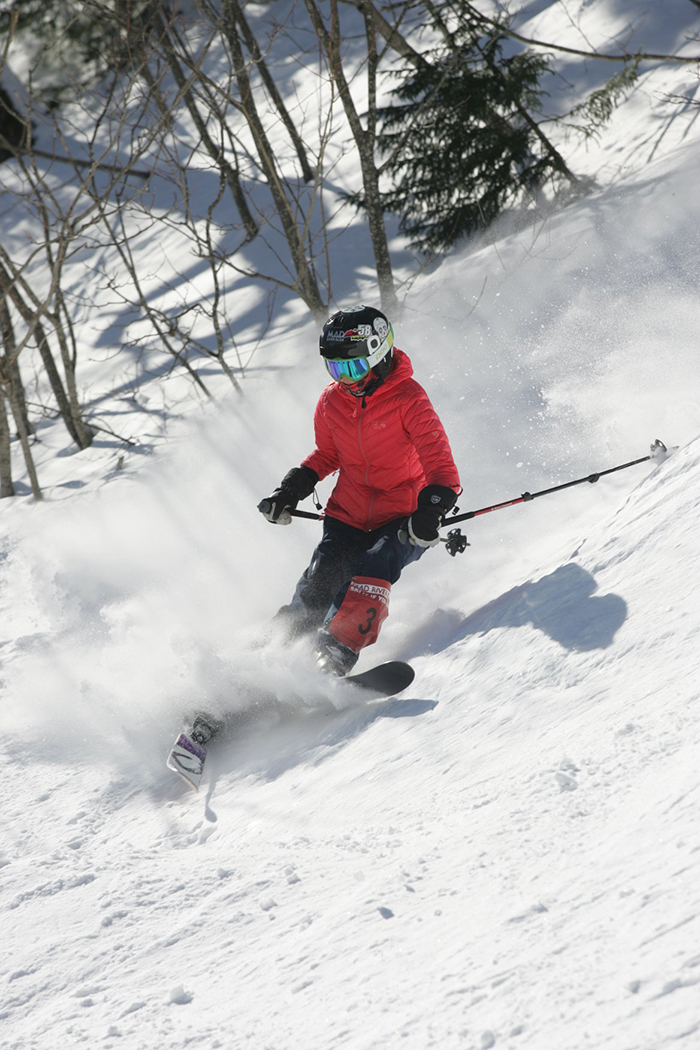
{"x": 296, "y": 485}
{"x": 434, "y": 501}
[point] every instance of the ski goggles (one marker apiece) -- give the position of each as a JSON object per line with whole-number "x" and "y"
{"x": 355, "y": 368}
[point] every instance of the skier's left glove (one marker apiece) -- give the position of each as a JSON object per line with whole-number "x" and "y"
{"x": 434, "y": 501}
{"x": 296, "y": 485}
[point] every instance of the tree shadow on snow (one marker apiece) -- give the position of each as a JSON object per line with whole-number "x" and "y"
{"x": 562, "y": 605}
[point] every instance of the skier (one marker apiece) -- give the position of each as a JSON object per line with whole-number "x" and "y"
{"x": 397, "y": 479}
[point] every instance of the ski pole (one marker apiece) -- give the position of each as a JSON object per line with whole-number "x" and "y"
{"x": 307, "y": 514}
{"x": 658, "y": 451}
{"x": 456, "y": 541}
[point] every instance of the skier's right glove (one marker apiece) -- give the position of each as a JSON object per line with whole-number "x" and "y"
{"x": 296, "y": 485}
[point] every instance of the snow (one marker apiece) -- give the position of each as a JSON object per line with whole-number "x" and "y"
{"x": 506, "y": 855}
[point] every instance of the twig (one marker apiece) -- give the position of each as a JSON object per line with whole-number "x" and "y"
{"x": 642, "y": 56}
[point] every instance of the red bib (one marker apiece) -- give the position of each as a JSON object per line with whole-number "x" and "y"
{"x": 362, "y": 612}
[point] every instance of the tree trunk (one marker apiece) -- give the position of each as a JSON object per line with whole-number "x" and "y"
{"x": 79, "y": 431}
{"x": 391, "y": 34}
{"x": 13, "y": 395}
{"x": 6, "y": 486}
{"x": 215, "y": 152}
{"x": 251, "y": 43}
{"x": 9, "y": 288}
{"x": 306, "y": 285}
{"x": 11, "y": 365}
{"x": 364, "y": 140}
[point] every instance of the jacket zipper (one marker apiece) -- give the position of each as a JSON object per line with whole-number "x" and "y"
{"x": 362, "y": 451}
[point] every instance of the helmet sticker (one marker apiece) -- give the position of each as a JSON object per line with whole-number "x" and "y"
{"x": 355, "y": 335}
{"x": 381, "y": 327}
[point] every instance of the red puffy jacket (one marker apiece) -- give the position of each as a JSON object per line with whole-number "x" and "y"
{"x": 386, "y": 451}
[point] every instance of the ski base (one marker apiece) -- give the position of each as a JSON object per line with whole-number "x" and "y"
{"x": 384, "y": 679}
{"x": 187, "y": 758}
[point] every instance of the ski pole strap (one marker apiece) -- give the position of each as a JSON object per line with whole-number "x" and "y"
{"x": 657, "y": 451}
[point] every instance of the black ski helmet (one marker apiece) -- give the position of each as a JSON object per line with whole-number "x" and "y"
{"x": 360, "y": 332}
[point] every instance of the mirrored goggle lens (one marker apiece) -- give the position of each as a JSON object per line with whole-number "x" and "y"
{"x": 354, "y": 369}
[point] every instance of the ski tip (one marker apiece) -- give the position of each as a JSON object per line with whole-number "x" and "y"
{"x": 400, "y": 672}
{"x": 191, "y": 778}
{"x": 190, "y": 783}
{"x": 387, "y": 679}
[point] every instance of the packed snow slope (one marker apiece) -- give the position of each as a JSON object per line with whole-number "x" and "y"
{"x": 507, "y": 855}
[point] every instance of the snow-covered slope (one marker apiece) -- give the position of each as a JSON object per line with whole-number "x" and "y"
{"x": 506, "y": 856}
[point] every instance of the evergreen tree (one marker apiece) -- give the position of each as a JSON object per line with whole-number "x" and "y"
{"x": 461, "y": 144}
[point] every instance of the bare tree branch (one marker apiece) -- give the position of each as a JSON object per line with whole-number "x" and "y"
{"x": 625, "y": 56}
{"x": 254, "y": 49}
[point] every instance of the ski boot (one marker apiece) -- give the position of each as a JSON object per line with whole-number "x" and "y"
{"x": 334, "y": 657}
{"x": 204, "y": 727}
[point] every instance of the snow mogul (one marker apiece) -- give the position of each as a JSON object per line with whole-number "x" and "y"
{"x": 397, "y": 479}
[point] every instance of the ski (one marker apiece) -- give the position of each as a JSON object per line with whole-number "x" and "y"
{"x": 189, "y": 752}
{"x": 384, "y": 679}
{"x": 187, "y": 758}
